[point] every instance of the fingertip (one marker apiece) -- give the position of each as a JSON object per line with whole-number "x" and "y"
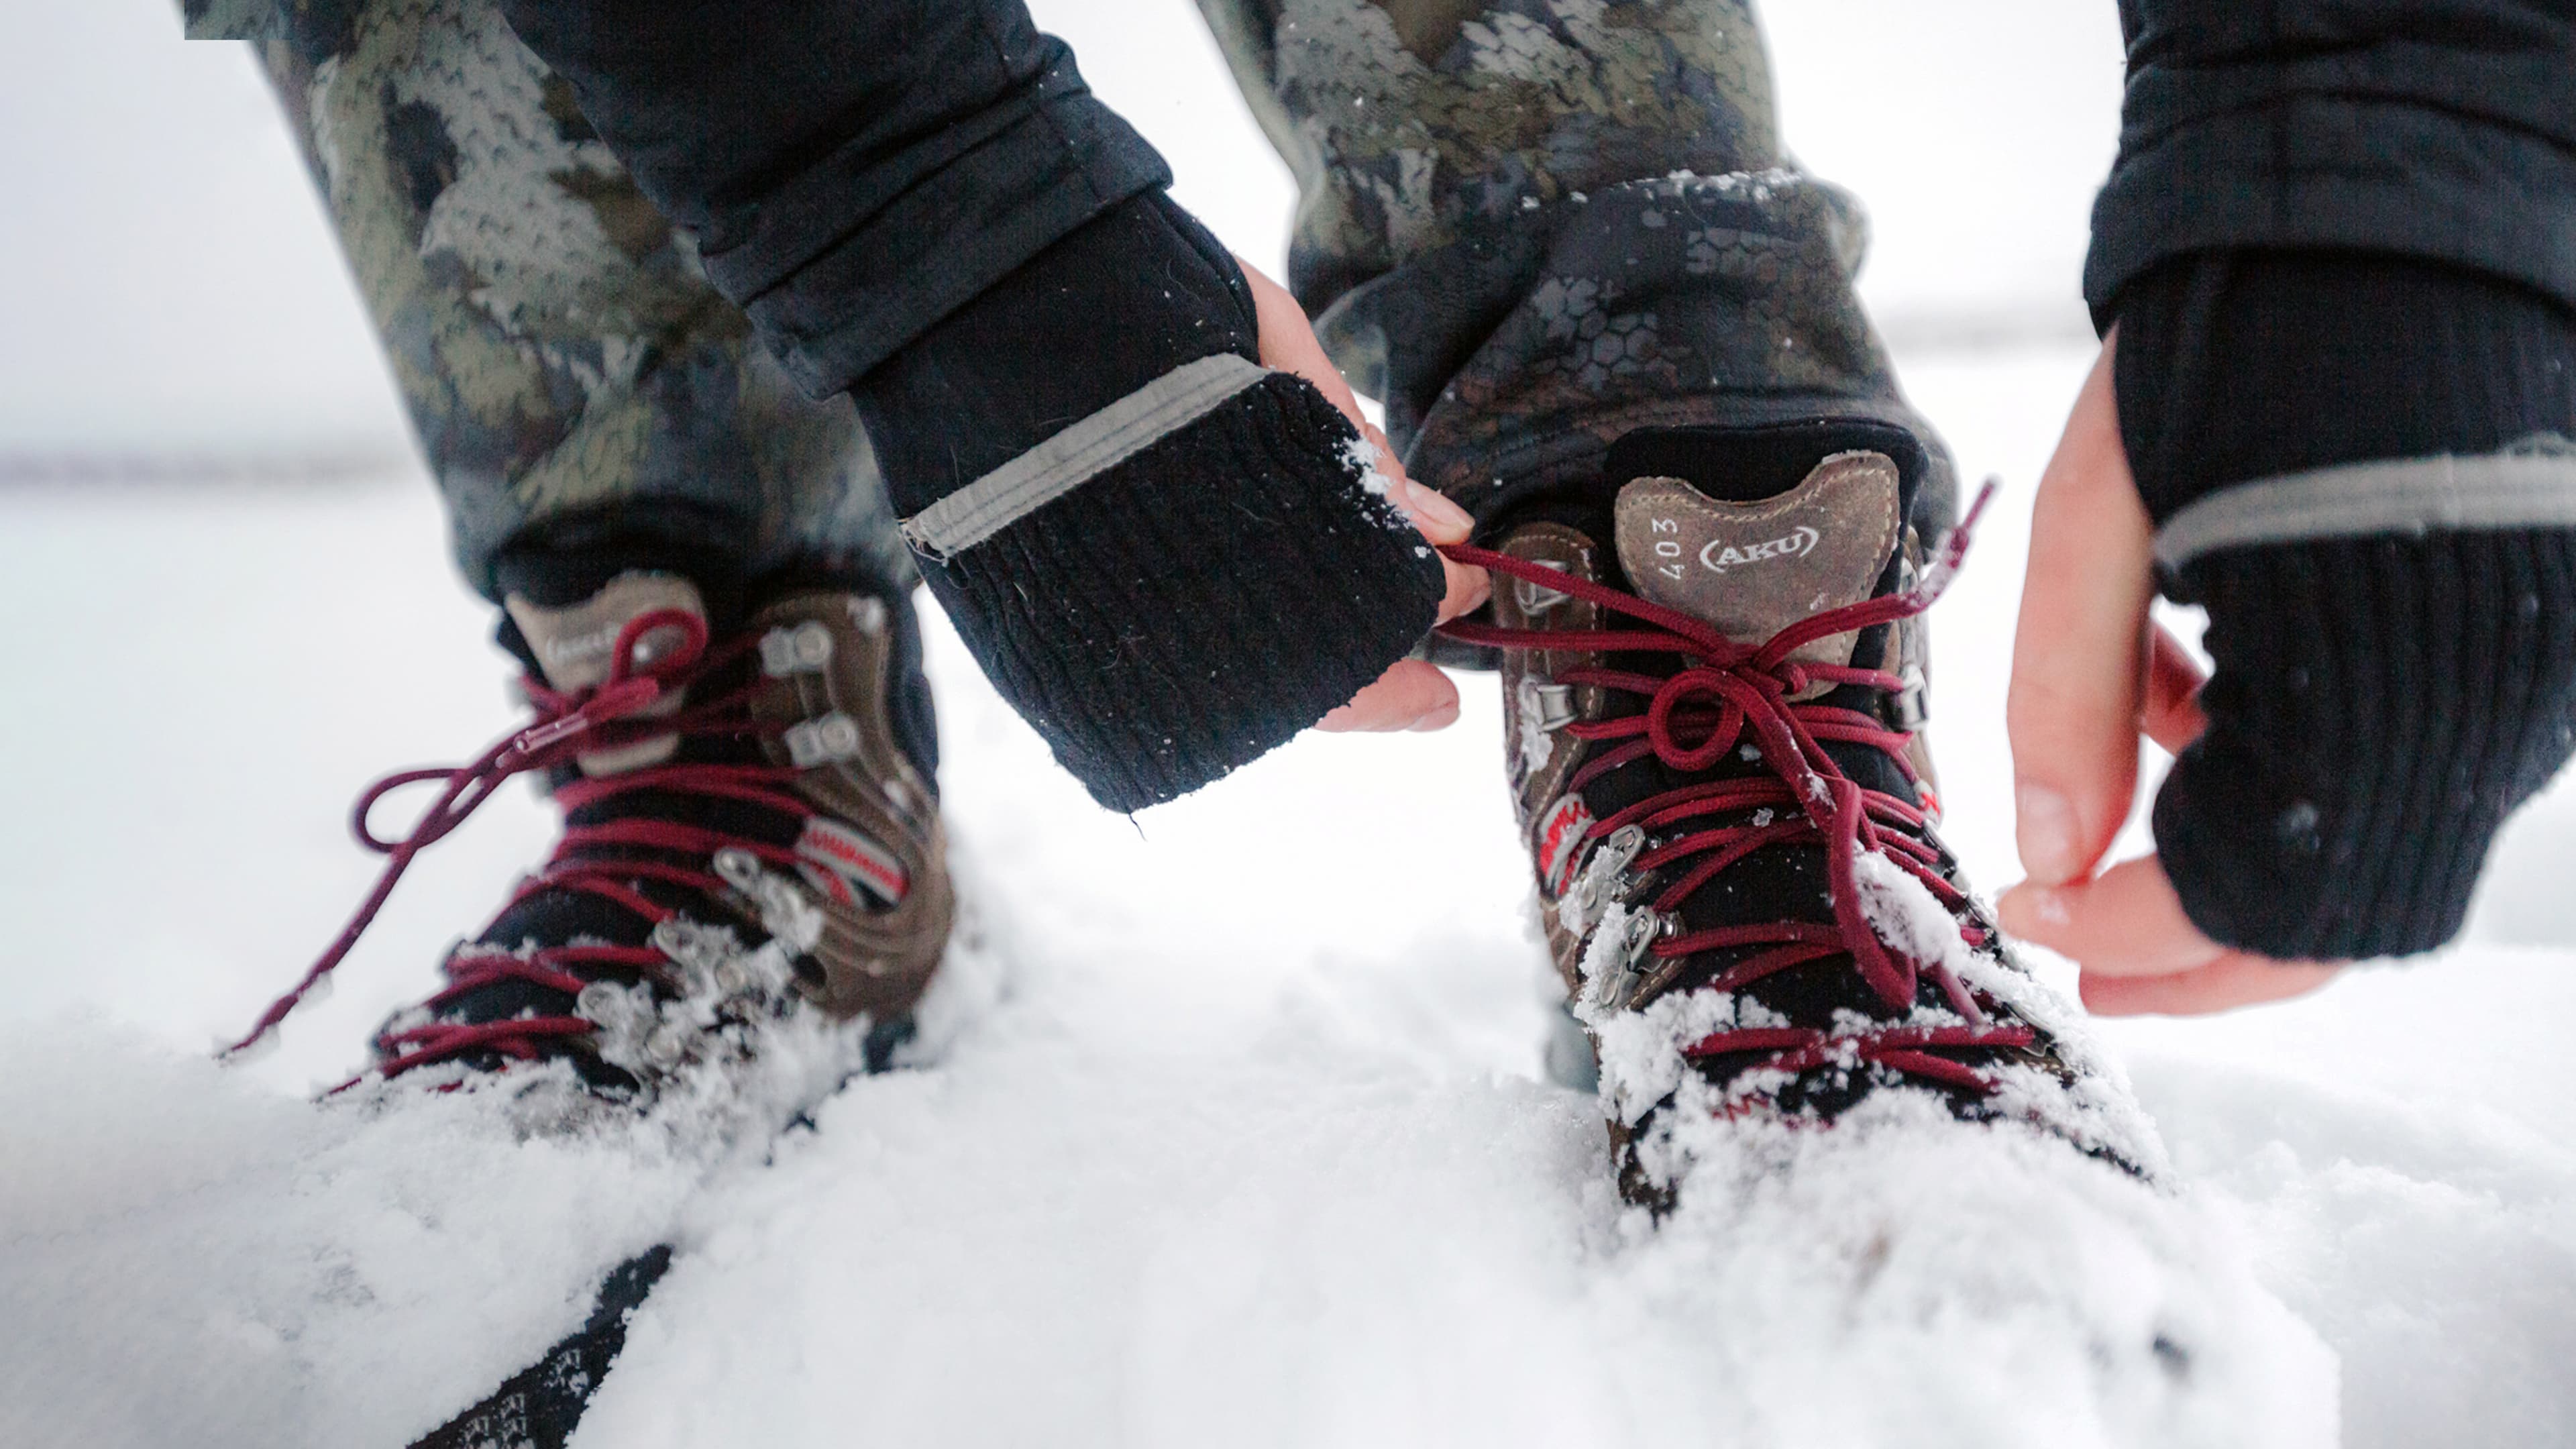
{"x": 1400, "y": 699}
{"x": 1468, "y": 589}
{"x": 1440, "y": 520}
{"x": 2033, "y": 911}
{"x": 2124, "y": 922}
{"x": 2232, "y": 980}
{"x": 2102, "y": 995}
{"x": 2107, "y": 994}
{"x": 2049, "y": 833}
{"x": 2012, "y": 910}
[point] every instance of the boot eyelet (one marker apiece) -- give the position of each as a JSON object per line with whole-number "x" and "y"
{"x": 833, "y": 738}
{"x": 803, "y": 649}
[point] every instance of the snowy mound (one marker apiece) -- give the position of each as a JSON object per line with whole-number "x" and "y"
{"x": 187, "y": 1258}
{"x": 1085, "y": 1226}
{"x": 192, "y": 1260}
{"x": 1907, "y": 1279}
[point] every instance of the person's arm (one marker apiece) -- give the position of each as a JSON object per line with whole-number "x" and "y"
{"x": 851, "y": 170}
{"x": 2439, "y": 130}
{"x": 2340, "y": 250}
{"x": 1155, "y": 523}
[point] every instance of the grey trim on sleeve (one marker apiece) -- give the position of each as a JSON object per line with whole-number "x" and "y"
{"x": 1078, "y": 454}
{"x": 2522, "y": 487}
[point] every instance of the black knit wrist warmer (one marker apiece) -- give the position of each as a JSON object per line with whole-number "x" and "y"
{"x": 2396, "y": 667}
{"x": 1168, "y": 560}
{"x": 2380, "y": 706}
{"x": 1196, "y": 607}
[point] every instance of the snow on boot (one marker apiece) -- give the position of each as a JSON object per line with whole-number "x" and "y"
{"x": 751, "y": 891}
{"x": 1711, "y": 699}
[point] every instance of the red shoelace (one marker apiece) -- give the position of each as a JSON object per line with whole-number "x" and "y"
{"x": 657, "y": 655}
{"x": 1693, "y": 718}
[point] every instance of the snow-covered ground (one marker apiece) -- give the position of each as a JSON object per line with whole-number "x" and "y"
{"x": 1254, "y": 1148}
{"x": 1239, "y": 1134}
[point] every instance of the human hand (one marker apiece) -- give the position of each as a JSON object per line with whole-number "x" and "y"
{"x": 2090, "y": 674}
{"x": 1413, "y": 694}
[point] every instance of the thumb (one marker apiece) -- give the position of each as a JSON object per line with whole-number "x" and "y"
{"x": 2078, "y": 654}
{"x": 1287, "y": 342}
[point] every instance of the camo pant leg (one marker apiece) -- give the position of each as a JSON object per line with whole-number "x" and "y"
{"x": 564, "y": 359}
{"x": 1531, "y": 225}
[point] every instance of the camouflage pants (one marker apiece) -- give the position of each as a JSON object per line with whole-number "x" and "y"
{"x": 558, "y": 348}
{"x": 1531, "y": 225}
{"x": 1527, "y": 225}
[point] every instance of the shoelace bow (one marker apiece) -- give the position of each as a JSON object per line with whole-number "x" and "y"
{"x": 1693, "y": 718}
{"x": 569, "y": 724}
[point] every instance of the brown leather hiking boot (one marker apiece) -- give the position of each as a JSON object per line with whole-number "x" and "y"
{"x": 752, "y": 864}
{"x": 1711, "y": 706}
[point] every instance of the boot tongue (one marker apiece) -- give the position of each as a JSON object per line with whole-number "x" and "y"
{"x": 575, "y": 647}
{"x": 1753, "y": 569}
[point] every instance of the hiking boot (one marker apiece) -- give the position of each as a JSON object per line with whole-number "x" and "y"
{"x": 752, "y": 864}
{"x": 1713, "y": 695}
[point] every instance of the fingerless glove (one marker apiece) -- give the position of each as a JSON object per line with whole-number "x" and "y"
{"x": 2360, "y": 465}
{"x": 1168, "y": 558}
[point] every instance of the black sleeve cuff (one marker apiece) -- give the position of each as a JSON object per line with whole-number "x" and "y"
{"x": 2436, "y": 129}
{"x": 899, "y": 260}
{"x": 851, "y": 170}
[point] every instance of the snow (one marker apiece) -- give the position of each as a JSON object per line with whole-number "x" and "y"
{"x": 1252, "y": 1147}
{"x": 1233, "y": 1128}
{"x": 191, "y": 1259}
{"x": 1904, "y": 913}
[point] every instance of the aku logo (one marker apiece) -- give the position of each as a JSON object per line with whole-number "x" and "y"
{"x": 1721, "y": 556}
